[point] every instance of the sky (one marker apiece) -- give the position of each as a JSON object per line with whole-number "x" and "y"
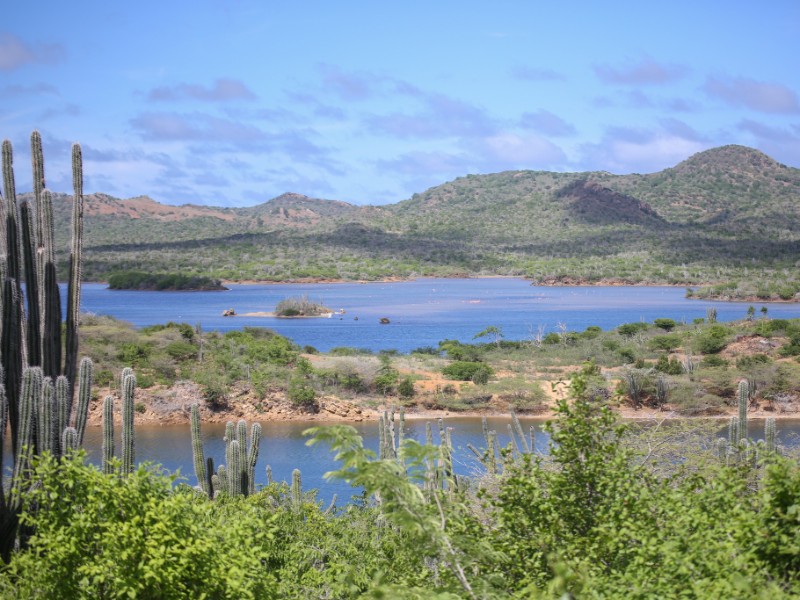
{"x": 232, "y": 103}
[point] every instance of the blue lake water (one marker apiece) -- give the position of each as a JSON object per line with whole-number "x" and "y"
{"x": 421, "y": 312}
{"x": 283, "y": 447}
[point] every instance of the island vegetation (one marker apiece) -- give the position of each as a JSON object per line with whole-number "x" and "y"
{"x": 301, "y": 306}
{"x": 162, "y": 282}
{"x": 611, "y": 509}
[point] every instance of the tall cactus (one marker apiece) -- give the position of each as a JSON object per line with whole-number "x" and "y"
{"x": 84, "y": 395}
{"x": 76, "y": 250}
{"x": 108, "y": 434}
{"x": 297, "y": 489}
{"x": 197, "y": 454}
{"x": 128, "y": 445}
{"x": 744, "y": 397}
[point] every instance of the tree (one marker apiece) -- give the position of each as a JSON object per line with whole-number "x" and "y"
{"x": 496, "y": 333}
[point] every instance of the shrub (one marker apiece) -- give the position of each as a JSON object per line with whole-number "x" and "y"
{"x": 665, "y": 324}
{"x": 406, "y": 388}
{"x": 468, "y": 371}
{"x": 747, "y": 362}
{"x": 551, "y": 339}
{"x": 670, "y": 366}
{"x": 665, "y": 342}
{"x": 628, "y": 355}
{"x": 301, "y": 393}
{"x": 175, "y": 543}
{"x": 712, "y": 340}
{"x": 181, "y": 350}
{"x": 631, "y": 329}
{"x": 591, "y": 332}
{"x": 712, "y": 360}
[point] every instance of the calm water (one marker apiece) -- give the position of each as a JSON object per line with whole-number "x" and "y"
{"x": 421, "y": 312}
{"x": 283, "y": 447}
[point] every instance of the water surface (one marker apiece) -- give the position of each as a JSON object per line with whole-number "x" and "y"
{"x": 421, "y": 312}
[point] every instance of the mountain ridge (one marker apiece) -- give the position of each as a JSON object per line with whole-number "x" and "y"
{"x": 714, "y": 215}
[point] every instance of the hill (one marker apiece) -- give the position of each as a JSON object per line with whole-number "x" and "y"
{"x": 728, "y": 212}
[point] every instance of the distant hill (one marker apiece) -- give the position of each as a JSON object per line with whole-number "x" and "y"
{"x": 724, "y": 212}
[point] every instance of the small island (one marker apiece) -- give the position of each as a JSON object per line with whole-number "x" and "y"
{"x": 301, "y": 306}
{"x": 163, "y": 282}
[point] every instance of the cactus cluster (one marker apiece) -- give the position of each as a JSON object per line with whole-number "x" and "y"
{"x": 739, "y": 448}
{"x": 519, "y": 444}
{"x": 37, "y": 381}
{"x": 237, "y": 477}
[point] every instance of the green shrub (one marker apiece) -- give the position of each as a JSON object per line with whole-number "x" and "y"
{"x": 628, "y": 355}
{"x": 301, "y": 393}
{"x": 667, "y": 342}
{"x": 105, "y": 536}
{"x": 468, "y": 371}
{"x": 665, "y": 324}
{"x": 712, "y": 360}
{"x": 750, "y": 361}
{"x": 591, "y": 332}
{"x": 670, "y": 366}
{"x": 181, "y": 350}
{"x": 631, "y": 329}
{"x": 551, "y": 339}
{"x": 712, "y": 339}
{"x": 406, "y": 388}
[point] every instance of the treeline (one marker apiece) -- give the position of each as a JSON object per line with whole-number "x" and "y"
{"x": 139, "y": 280}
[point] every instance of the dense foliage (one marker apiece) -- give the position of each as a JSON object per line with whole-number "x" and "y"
{"x": 138, "y": 280}
{"x": 608, "y": 513}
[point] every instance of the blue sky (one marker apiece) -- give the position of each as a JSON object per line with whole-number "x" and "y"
{"x": 233, "y": 103}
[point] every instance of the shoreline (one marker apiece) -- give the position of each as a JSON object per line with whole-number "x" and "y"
{"x": 555, "y": 282}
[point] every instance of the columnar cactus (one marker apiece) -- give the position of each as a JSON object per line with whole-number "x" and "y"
{"x": 237, "y": 477}
{"x": 770, "y": 436}
{"x": 197, "y": 453}
{"x": 84, "y": 395}
{"x": 744, "y": 397}
{"x": 38, "y": 416}
{"x": 128, "y": 445}
{"x": 108, "y": 434}
{"x": 297, "y": 489}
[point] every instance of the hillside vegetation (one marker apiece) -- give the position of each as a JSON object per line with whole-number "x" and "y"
{"x": 728, "y": 215}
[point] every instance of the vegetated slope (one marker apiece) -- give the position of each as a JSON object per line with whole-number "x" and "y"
{"x": 706, "y": 219}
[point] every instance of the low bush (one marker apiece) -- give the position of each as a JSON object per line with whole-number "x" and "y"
{"x": 468, "y": 371}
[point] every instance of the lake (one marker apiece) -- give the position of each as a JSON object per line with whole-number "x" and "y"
{"x": 421, "y": 312}
{"x": 283, "y": 447}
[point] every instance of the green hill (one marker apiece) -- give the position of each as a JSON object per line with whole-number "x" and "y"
{"x": 727, "y": 213}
